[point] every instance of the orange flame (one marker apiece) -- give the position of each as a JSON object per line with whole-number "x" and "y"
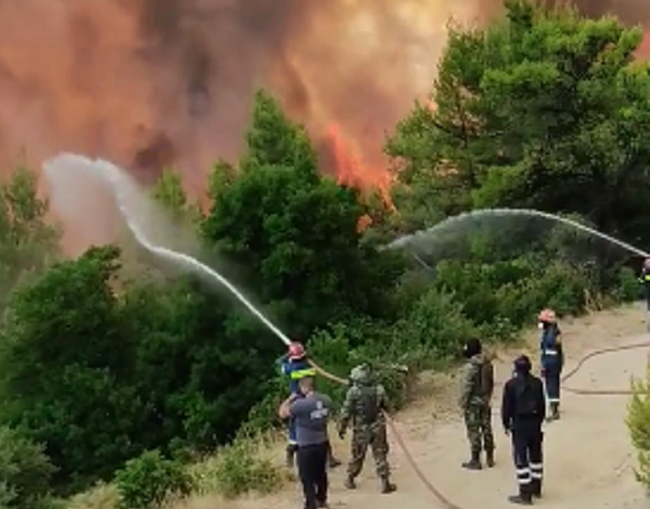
{"x": 352, "y": 172}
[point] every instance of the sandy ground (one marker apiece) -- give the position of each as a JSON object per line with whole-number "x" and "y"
{"x": 588, "y": 457}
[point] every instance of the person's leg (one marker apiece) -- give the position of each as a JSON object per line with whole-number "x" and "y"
{"x": 358, "y": 449}
{"x": 379, "y": 448}
{"x": 536, "y": 463}
{"x": 520, "y": 450}
{"x": 292, "y": 447}
{"x": 473, "y": 425}
{"x": 322, "y": 483}
{"x": 308, "y": 472}
{"x": 552, "y": 383}
{"x": 488, "y": 435}
{"x": 332, "y": 462}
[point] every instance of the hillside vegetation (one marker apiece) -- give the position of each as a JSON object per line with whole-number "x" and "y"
{"x": 540, "y": 109}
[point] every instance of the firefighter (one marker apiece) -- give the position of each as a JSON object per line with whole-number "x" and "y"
{"x": 295, "y": 365}
{"x": 522, "y": 413}
{"x": 552, "y": 360}
{"x": 644, "y": 279}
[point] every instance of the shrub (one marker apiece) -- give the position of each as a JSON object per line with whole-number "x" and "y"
{"x": 437, "y": 324}
{"x": 25, "y": 472}
{"x": 148, "y": 481}
{"x": 239, "y": 468}
{"x": 638, "y": 417}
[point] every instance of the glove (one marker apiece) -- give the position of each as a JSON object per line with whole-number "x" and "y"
{"x": 542, "y": 372}
{"x": 506, "y": 431}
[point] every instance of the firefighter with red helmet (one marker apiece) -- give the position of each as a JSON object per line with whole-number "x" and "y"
{"x": 295, "y": 365}
{"x": 552, "y": 360}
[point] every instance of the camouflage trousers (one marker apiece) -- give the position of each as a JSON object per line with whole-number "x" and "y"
{"x": 478, "y": 421}
{"x": 373, "y": 436}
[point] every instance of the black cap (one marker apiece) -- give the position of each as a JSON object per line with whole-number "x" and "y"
{"x": 472, "y": 348}
{"x": 522, "y": 364}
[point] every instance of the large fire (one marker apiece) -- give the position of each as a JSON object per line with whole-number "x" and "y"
{"x": 149, "y": 83}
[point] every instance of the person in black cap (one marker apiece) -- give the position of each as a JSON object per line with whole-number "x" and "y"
{"x": 476, "y": 387}
{"x": 523, "y": 411}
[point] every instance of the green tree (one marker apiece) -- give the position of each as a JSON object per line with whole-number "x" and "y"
{"x": 28, "y": 243}
{"x": 543, "y": 109}
{"x": 62, "y": 356}
{"x": 25, "y": 472}
{"x": 296, "y": 231}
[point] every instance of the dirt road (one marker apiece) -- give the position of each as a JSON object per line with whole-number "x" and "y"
{"x": 588, "y": 455}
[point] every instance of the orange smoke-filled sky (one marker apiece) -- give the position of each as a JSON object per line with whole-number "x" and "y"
{"x": 149, "y": 82}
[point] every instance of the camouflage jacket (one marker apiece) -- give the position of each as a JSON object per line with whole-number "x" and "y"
{"x": 476, "y": 382}
{"x": 364, "y": 402}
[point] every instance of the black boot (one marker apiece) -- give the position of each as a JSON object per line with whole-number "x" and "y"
{"x": 524, "y": 497}
{"x": 332, "y": 462}
{"x": 387, "y": 486}
{"x": 349, "y": 483}
{"x": 536, "y": 488}
{"x": 291, "y": 452}
{"x": 475, "y": 462}
{"x": 489, "y": 458}
{"x": 554, "y": 412}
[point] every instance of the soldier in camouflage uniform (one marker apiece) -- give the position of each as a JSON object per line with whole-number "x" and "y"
{"x": 477, "y": 385}
{"x": 364, "y": 406}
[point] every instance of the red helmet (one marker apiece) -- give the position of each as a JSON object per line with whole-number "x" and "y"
{"x": 296, "y": 351}
{"x": 547, "y": 315}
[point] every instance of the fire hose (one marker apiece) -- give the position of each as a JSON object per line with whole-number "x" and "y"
{"x": 431, "y": 488}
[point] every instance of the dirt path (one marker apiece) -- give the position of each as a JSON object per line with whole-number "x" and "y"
{"x": 588, "y": 455}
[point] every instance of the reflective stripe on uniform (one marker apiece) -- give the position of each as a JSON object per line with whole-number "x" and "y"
{"x": 550, "y": 352}
{"x": 301, "y": 373}
{"x": 647, "y": 277}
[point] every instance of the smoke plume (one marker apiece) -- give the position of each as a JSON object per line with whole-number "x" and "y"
{"x": 148, "y": 83}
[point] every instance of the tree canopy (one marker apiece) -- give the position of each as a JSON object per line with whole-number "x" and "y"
{"x": 105, "y": 369}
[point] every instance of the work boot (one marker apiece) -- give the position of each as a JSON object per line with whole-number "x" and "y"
{"x": 536, "y": 488}
{"x": 555, "y": 412}
{"x": 387, "y": 486}
{"x": 489, "y": 458}
{"x": 291, "y": 452}
{"x": 332, "y": 462}
{"x": 350, "y": 484}
{"x": 524, "y": 497}
{"x": 474, "y": 463}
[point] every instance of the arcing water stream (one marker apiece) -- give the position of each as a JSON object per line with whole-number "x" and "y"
{"x": 430, "y": 234}
{"x": 122, "y": 185}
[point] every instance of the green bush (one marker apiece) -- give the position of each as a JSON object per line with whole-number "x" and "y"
{"x": 150, "y": 480}
{"x": 25, "y": 473}
{"x": 638, "y": 417}
{"x": 241, "y": 469}
{"x": 628, "y": 288}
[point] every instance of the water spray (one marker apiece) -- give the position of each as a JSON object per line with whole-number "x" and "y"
{"x": 120, "y": 183}
{"x": 430, "y": 233}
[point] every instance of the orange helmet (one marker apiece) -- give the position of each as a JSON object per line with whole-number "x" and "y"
{"x": 547, "y": 315}
{"x": 296, "y": 351}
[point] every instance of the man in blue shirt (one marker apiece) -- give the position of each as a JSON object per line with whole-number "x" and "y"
{"x": 310, "y": 411}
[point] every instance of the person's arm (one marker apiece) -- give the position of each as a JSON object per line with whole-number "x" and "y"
{"x": 466, "y": 378}
{"x": 489, "y": 381}
{"x": 289, "y": 407}
{"x": 346, "y": 411}
{"x": 507, "y": 407}
{"x": 541, "y": 400}
{"x": 382, "y": 398}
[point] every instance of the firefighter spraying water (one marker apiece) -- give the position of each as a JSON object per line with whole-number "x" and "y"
{"x": 295, "y": 365}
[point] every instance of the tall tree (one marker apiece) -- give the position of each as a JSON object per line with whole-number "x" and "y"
{"x": 295, "y": 230}
{"x": 543, "y": 109}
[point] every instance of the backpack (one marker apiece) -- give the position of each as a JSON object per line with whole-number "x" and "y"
{"x": 487, "y": 379}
